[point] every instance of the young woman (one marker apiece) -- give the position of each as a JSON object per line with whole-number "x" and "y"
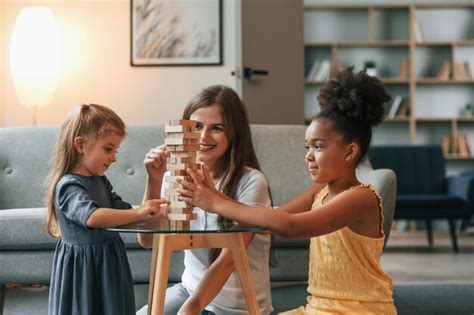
{"x": 209, "y": 284}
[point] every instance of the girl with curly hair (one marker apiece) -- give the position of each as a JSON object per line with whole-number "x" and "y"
{"x": 342, "y": 217}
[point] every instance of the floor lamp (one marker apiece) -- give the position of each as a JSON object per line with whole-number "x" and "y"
{"x": 34, "y": 57}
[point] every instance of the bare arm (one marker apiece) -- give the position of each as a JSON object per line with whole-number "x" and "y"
{"x": 107, "y": 217}
{"x": 155, "y": 164}
{"x": 213, "y": 281}
{"x": 345, "y": 209}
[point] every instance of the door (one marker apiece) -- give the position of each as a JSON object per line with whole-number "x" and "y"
{"x": 272, "y": 72}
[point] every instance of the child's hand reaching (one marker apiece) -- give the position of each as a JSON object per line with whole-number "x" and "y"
{"x": 153, "y": 209}
{"x": 198, "y": 192}
{"x": 155, "y": 161}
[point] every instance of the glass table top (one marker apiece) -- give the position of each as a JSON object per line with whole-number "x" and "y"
{"x": 195, "y": 226}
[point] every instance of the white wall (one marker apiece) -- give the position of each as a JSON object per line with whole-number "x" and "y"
{"x": 96, "y": 43}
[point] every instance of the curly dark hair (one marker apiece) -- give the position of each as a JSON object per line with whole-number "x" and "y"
{"x": 353, "y": 103}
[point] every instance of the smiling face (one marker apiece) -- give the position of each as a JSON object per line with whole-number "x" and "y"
{"x": 213, "y": 142}
{"x": 97, "y": 155}
{"x": 328, "y": 157}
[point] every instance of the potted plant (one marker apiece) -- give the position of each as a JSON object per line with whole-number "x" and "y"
{"x": 370, "y": 67}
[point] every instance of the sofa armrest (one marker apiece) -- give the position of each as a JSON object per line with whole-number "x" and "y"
{"x": 463, "y": 187}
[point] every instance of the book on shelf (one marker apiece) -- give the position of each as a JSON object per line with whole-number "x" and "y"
{"x": 403, "y": 109}
{"x": 404, "y": 70}
{"x": 457, "y": 145}
{"x": 336, "y": 67}
{"x": 323, "y": 71}
{"x": 312, "y": 70}
{"x": 444, "y": 71}
{"x": 319, "y": 70}
{"x": 417, "y": 31}
{"x": 463, "y": 146}
{"x": 446, "y": 144}
{"x": 467, "y": 70}
{"x": 395, "y": 106}
{"x": 459, "y": 71}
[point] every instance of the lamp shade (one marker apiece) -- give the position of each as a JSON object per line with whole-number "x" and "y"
{"x": 34, "y": 56}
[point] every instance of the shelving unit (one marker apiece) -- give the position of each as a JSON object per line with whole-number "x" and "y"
{"x": 389, "y": 34}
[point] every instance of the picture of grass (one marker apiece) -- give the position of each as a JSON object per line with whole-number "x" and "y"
{"x": 176, "y": 32}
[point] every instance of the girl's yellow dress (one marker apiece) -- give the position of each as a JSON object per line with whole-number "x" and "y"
{"x": 345, "y": 275}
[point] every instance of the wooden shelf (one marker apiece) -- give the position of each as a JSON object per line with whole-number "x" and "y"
{"x": 352, "y": 6}
{"x": 394, "y": 81}
{"x": 397, "y": 119}
{"x": 435, "y": 119}
{"x": 360, "y": 43}
{"x": 441, "y": 81}
{"x": 383, "y": 80}
{"x": 443, "y": 5}
{"x": 464, "y": 42}
{"x": 391, "y": 55}
{"x": 457, "y": 157}
{"x": 444, "y": 119}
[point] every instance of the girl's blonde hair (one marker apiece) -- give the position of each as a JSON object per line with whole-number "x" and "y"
{"x": 91, "y": 122}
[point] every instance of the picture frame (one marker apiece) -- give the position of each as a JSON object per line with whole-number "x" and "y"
{"x": 176, "y": 32}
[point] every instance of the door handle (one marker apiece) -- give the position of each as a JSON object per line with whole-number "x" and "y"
{"x": 249, "y": 72}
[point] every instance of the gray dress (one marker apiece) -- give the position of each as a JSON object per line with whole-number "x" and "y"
{"x": 91, "y": 274}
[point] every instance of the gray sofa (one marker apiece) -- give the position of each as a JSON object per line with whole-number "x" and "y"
{"x": 26, "y": 251}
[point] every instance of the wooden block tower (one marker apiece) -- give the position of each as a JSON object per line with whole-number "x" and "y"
{"x": 182, "y": 141}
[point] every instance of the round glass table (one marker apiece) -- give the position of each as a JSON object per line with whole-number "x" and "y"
{"x": 199, "y": 234}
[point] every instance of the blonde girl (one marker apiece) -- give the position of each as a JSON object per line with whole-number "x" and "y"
{"x": 91, "y": 274}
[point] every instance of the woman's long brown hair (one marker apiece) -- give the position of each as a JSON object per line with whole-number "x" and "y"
{"x": 241, "y": 152}
{"x": 90, "y": 121}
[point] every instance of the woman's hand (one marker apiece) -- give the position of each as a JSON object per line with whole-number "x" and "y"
{"x": 197, "y": 193}
{"x": 206, "y": 178}
{"x": 155, "y": 162}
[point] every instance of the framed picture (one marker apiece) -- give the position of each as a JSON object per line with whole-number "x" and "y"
{"x": 176, "y": 32}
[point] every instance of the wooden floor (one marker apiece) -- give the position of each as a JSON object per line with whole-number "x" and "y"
{"x": 407, "y": 258}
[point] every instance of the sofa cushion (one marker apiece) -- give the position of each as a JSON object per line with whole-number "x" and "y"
{"x": 433, "y": 206}
{"x": 432, "y": 201}
{"x": 419, "y": 171}
{"x": 22, "y": 229}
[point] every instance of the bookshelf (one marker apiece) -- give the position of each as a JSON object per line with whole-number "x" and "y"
{"x": 419, "y": 37}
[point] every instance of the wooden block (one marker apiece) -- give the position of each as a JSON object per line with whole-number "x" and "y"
{"x": 181, "y": 216}
{"x": 193, "y": 166}
{"x": 181, "y": 225}
{"x": 184, "y": 135}
{"x": 181, "y": 210}
{"x": 178, "y": 173}
{"x": 173, "y": 129}
{"x": 181, "y": 155}
{"x": 172, "y": 179}
{"x": 182, "y": 122}
{"x": 180, "y": 160}
{"x": 172, "y": 225}
{"x": 183, "y": 148}
{"x": 178, "y": 204}
{"x": 172, "y": 198}
{"x": 174, "y": 185}
{"x": 171, "y": 191}
{"x": 180, "y": 141}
